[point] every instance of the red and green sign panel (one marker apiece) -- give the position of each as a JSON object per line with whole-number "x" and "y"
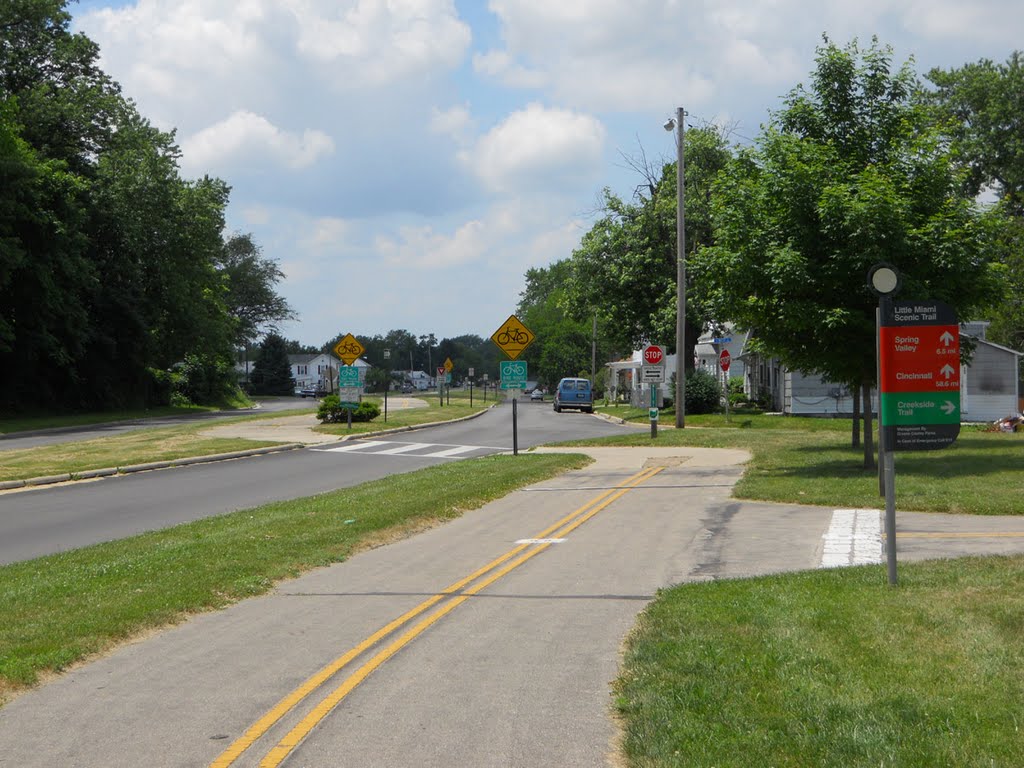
{"x": 919, "y": 350}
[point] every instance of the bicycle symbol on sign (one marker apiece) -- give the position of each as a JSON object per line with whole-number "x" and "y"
{"x": 349, "y": 348}
{"x": 512, "y": 335}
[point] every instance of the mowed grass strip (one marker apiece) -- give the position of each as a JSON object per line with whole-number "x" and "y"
{"x": 831, "y": 668}
{"x": 810, "y": 461}
{"x": 60, "y": 609}
{"x": 129, "y": 448}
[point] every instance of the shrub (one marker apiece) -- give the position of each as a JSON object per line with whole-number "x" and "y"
{"x": 703, "y": 394}
{"x": 331, "y": 412}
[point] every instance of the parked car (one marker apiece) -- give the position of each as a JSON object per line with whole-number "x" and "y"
{"x": 574, "y": 393}
{"x": 304, "y": 393}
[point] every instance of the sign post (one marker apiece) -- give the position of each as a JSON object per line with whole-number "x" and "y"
{"x": 652, "y": 373}
{"x": 512, "y": 337}
{"x": 724, "y": 361}
{"x": 919, "y": 383}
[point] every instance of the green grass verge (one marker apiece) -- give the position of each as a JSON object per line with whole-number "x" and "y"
{"x": 810, "y": 461}
{"x": 60, "y": 609}
{"x": 456, "y": 406}
{"x": 136, "y": 447}
{"x": 832, "y": 668}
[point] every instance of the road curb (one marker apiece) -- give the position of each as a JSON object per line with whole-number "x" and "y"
{"x": 89, "y": 474}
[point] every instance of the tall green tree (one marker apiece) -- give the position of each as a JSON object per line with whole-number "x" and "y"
{"x": 250, "y": 279}
{"x": 272, "y": 373}
{"x": 625, "y": 268}
{"x": 849, "y": 174}
{"x": 982, "y": 105}
{"x": 564, "y": 345}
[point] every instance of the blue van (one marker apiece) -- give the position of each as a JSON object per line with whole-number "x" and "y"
{"x": 574, "y": 393}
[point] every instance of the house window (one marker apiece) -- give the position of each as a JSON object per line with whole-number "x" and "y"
{"x": 302, "y": 369}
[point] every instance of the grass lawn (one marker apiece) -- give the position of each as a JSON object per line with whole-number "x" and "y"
{"x": 831, "y": 668}
{"x": 810, "y": 461}
{"x": 59, "y": 609}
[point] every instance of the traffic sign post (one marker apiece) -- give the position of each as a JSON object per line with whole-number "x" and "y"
{"x": 512, "y": 338}
{"x": 652, "y": 372}
{"x": 724, "y": 361}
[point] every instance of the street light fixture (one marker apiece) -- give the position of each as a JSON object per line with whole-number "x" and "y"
{"x": 678, "y": 123}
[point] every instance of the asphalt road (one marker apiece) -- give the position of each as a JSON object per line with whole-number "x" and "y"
{"x": 53, "y": 519}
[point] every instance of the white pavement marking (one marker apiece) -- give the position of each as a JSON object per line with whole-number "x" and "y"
{"x": 381, "y": 447}
{"x": 404, "y": 448}
{"x": 452, "y": 451}
{"x": 853, "y": 538}
{"x": 353, "y": 446}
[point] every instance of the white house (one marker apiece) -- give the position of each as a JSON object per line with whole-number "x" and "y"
{"x": 319, "y": 371}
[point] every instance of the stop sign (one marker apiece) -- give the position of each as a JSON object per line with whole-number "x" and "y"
{"x": 724, "y": 359}
{"x": 653, "y": 354}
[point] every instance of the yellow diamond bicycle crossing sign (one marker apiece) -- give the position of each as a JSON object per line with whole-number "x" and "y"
{"x": 448, "y": 365}
{"x": 513, "y": 337}
{"x": 349, "y": 349}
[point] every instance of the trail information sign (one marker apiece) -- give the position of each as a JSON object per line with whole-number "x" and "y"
{"x": 919, "y": 353}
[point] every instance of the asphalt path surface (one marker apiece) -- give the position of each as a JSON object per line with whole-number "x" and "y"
{"x": 33, "y": 439}
{"x": 47, "y": 520}
{"x": 514, "y": 672}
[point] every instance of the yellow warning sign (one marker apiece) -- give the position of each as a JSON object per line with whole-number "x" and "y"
{"x": 448, "y": 365}
{"x": 349, "y": 349}
{"x": 513, "y": 337}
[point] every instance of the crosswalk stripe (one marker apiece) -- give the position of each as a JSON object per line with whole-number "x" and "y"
{"x": 453, "y": 451}
{"x": 354, "y": 446}
{"x": 417, "y": 450}
{"x": 404, "y": 448}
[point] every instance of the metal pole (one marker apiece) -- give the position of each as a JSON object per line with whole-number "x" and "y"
{"x": 890, "y": 513}
{"x": 654, "y": 413}
{"x": 680, "y": 271}
{"x": 515, "y": 427}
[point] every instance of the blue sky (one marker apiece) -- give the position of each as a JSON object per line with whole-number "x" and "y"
{"x": 406, "y": 161}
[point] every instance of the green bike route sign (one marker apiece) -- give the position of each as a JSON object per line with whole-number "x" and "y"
{"x": 919, "y": 355}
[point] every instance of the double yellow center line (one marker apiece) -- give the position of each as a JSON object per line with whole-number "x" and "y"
{"x": 456, "y": 594}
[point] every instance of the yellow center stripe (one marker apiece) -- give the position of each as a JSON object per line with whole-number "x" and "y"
{"x": 289, "y": 702}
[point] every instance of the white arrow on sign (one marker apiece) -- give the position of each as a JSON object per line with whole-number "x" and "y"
{"x": 948, "y": 407}
{"x": 947, "y": 370}
{"x": 947, "y": 338}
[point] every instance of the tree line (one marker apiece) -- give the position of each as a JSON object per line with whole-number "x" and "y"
{"x": 117, "y": 286}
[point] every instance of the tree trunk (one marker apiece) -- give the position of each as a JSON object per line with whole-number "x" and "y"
{"x": 856, "y": 416}
{"x": 869, "y": 448}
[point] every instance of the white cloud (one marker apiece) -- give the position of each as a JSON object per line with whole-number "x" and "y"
{"x": 247, "y": 138}
{"x": 538, "y": 143}
{"x": 456, "y": 122}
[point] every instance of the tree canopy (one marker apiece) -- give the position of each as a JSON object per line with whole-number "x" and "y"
{"x": 849, "y": 174}
{"x": 113, "y": 268}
